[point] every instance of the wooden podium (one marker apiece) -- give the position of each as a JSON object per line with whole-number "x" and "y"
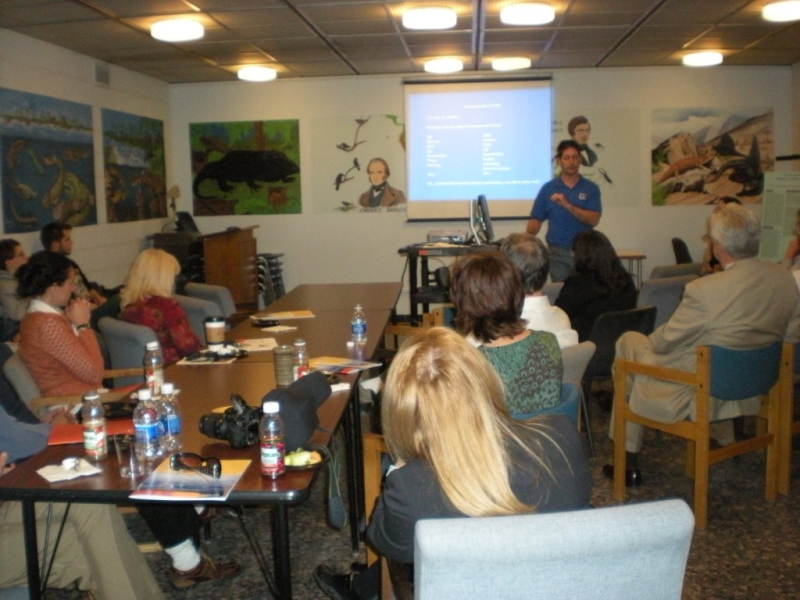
{"x": 230, "y": 260}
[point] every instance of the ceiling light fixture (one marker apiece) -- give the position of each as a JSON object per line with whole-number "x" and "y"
{"x": 444, "y": 65}
{"x": 177, "y": 30}
{"x": 702, "y": 59}
{"x": 430, "y": 17}
{"x": 782, "y": 11}
{"x": 511, "y": 63}
{"x": 256, "y": 73}
{"x": 528, "y": 13}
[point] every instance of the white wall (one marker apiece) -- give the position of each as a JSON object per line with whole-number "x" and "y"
{"x": 103, "y": 251}
{"x": 363, "y": 247}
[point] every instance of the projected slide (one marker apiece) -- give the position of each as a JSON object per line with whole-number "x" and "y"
{"x": 470, "y": 139}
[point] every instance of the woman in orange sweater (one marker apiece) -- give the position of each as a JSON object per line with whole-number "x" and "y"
{"x": 56, "y": 342}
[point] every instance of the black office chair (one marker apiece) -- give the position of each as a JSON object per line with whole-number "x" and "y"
{"x": 681, "y": 250}
{"x": 606, "y": 331}
{"x": 442, "y": 277}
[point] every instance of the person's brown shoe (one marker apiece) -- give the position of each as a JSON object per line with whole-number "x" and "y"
{"x": 207, "y": 570}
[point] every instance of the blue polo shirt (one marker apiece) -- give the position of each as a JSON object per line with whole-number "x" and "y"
{"x": 563, "y": 226}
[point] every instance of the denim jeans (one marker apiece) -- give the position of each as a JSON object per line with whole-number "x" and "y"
{"x": 561, "y": 263}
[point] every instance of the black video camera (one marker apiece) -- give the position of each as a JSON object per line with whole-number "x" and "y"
{"x": 238, "y": 425}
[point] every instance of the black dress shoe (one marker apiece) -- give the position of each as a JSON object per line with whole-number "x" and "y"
{"x": 335, "y": 585}
{"x": 633, "y": 477}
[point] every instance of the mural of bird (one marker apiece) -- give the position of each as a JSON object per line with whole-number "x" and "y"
{"x": 346, "y": 206}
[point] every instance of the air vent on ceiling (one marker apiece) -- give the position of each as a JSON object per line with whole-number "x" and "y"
{"x": 102, "y": 74}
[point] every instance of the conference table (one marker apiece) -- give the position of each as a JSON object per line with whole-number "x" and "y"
{"x": 326, "y": 334}
{"x": 203, "y": 388}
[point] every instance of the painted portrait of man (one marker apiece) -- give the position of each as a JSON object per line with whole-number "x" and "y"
{"x": 380, "y": 193}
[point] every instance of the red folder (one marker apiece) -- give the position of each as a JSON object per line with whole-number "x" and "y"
{"x": 73, "y": 434}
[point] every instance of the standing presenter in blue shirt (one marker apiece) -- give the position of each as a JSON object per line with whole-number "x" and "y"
{"x": 572, "y": 205}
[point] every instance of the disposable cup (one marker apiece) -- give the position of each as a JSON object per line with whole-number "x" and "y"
{"x": 129, "y": 465}
{"x": 215, "y": 330}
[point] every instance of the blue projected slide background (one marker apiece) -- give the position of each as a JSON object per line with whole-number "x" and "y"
{"x": 463, "y": 142}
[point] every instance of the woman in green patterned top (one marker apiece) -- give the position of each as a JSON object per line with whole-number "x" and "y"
{"x": 488, "y": 295}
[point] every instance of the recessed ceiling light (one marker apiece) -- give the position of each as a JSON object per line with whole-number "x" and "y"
{"x": 255, "y": 73}
{"x": 511, "y": 63}
{"x": 444, "y": 65}
{"x": 177, "y": 30}
{"x": 430, "y": 17}
{"x": 702, "y": 59}
{"x": 527, "y": 13}
{"x": 782, "y": 11}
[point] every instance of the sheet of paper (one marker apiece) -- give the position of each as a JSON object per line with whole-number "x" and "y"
{"x": 257, "y": 345}
{"x": 206, "y": 360}
{"x": 283, "y": 315}
{"x": 54, "y": 473}
{"x": 340, "y": 365}
{"x": 278, "y": 328}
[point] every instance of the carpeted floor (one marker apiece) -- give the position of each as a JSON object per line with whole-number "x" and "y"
{"x": 750, "y": 551}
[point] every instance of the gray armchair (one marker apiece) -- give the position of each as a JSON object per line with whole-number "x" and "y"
{"x": 218, "y": 294}
{"x": 665, "y": 294}
{"x": 662, "y": 271}
{"x": 125, "y": 342}
{"x": 576, "y": 359}
{"x": 628, "y": 552}
{"x": 197, "y": 310}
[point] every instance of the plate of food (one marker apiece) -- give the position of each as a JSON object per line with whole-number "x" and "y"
{"x": 312, "y": 456}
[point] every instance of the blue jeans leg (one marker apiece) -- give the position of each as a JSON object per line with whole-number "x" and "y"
{"x": 561, "y": 263}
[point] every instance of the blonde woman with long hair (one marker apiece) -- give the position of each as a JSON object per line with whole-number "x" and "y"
{"x": 459, "y": 453}
{"x": 147, "y": 300}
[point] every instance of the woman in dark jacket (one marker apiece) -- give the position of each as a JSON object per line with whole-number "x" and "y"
{"x": 598, "y": 284}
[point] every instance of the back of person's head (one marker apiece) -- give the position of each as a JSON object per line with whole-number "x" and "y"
{"x": 595, "y": 254}
{"x": 487, "y": 291}
{"x": 729, "y": 200}
{"x": 43, "y": 269}
{"x": 564, "y": 144}
{"x": 443, "y": 403}
{"x": 151, "y": 274}
{"x": 53, "y": 232}
{"x": 530, "y": 256}
{"x": 737, "y": 230}
{"x": 8, "y": 248}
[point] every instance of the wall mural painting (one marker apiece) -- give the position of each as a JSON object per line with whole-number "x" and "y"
{"x": 608, "y": 139}
{"x": 47, "y": 162}
{"x": 700, "y": 155}
{"x": 135, "y": 169}
{"x": 246, "y": 168}
{"x": 363, "y": 164}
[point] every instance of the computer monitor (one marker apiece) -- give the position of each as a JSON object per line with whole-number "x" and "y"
{"x": 480, "y": 222}
{"x": 185, "y": 222}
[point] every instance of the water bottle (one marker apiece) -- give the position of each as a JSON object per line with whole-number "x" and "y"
{"x": 153, "y": 368}
{"x": 270, "y": 432}
{"x": 146, "y": 425}
{"x": 93, "y": 416}
{"x": 358, "y": 326}
{"x": 299, "y": 359}
{"x": 170, "y": 417}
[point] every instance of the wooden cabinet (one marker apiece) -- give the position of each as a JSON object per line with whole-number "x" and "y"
{"x": 230, "y": 259}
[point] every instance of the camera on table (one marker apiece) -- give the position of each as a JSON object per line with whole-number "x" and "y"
{"x": 238, "y": 425}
